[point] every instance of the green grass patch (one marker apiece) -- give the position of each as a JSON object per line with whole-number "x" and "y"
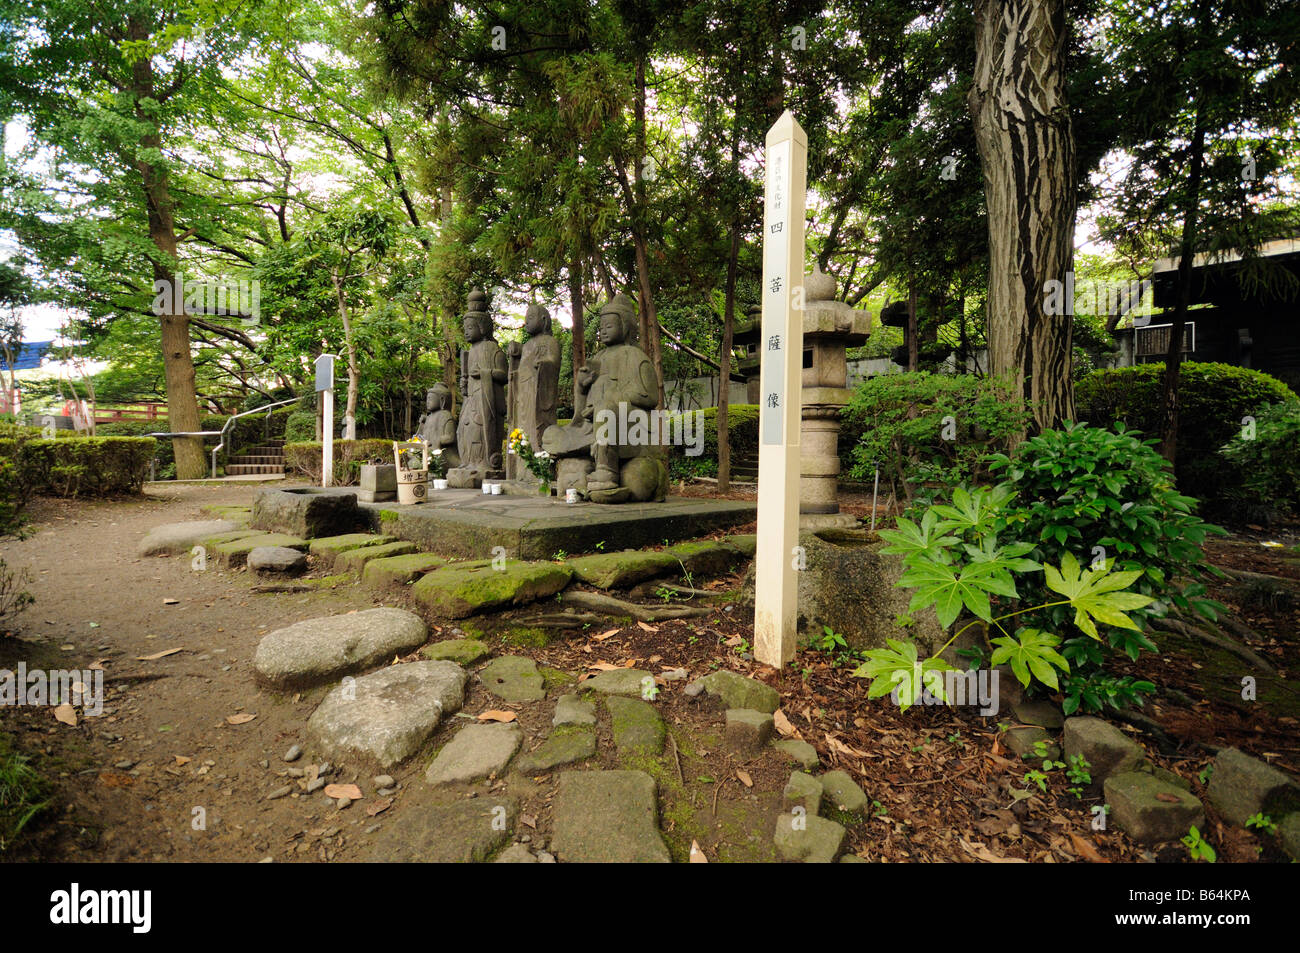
{"x": 22, "y": 794}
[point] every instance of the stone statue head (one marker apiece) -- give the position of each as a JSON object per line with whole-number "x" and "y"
{"x": 617, "y": 321}
{"x": 476, "y": 324}
{"x": 438, "y": 397}
{"x": 537, "y": 320}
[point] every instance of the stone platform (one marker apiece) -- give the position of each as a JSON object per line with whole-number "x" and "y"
{"x": 467, "y": 524}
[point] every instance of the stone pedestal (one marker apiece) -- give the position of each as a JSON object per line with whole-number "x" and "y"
{"x": 469, "y": 478}
{"x": 378, "y": 483}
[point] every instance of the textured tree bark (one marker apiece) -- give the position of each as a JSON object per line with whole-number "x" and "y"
{"x": 1026, "y": 147}
{"x": 576, "y": 302}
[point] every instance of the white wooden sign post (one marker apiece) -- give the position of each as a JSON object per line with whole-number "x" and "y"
{"x": 781, "y": 373}
{"x": 325, "y": 394}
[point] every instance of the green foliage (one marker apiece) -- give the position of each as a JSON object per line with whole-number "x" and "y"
{"x": 349, "y": 455}
{"x": 1262, "y": 822}
{"x": 1197, "y": 848}
{"x": 1213, "y": 400}
{"x": 300, "y": 427}
{"x": 99, "y": 466}
{"x": 1265, "y": 462}
{"x": 927, "y": 427}
{"x": 742, "y": 435}
{"x": 23, "y": 793}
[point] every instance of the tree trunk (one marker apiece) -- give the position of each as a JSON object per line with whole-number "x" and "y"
{"x": 728, "y": 322}
{"x": 913, "y": 343}
{"x": 1186, "y": 257}
{"x": 650, "y": 338}
{"x": 354, "y": 372}
{"x": 1026, "y": 147}
{"x": 178, "y": 363}
{"x": 578, "y": 346}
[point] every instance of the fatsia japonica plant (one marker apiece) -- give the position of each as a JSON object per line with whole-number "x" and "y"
{"x": 961, "y": 558}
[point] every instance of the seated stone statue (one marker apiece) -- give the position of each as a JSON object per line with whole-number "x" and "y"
{"x": 615, "y": 391}
{"x": 437, "y": 425}
{"x": 480, "y": 432}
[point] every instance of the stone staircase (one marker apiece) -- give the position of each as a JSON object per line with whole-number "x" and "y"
{"x": 744, "y": 467}
{"x": 265, "y": 459}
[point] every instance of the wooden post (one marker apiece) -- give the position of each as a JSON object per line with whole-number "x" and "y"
{"x": 781, "y": 373}
{"x": 325, "y": 400}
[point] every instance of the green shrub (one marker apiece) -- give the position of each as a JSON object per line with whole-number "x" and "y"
{"x": 305, "y": 458}
{"x": 924, "y": 427}
{"x": 1106, "y": 498}
{"x": 96, "y": 466}
{"x": 300, "y": 427}
{"x": 23, "y": 793}
{"x": 1265, "y": 461}
{"x": 742, "y": 433}
{"x": 1213, "y": 400}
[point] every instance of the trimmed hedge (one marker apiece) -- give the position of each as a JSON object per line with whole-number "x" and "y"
{"x": 1266, "y": 466}
{"x": 1214, "y": 398}
{"x": 305, "y": 458}
{"x": 75, "y": 466}
{"x": 742, "y": 432}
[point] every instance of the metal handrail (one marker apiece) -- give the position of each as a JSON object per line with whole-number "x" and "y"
{"x": 248, "y": 413}
{"x": 225, "y": 429}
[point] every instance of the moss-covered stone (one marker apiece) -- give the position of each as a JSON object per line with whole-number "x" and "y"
{"x": 622, "y": 569}
{"x": 228, "y": 511}
{"x": 460, "y": 651}
{"x": 210, "y": 543}
{"x": 235, "y": 552}
{"x": 737, "y": 691}
{"x": 564, "y": 746}
{"x": 455, "y": 591}
{"x": 354, "y": 560}
{"x": 746, "y": 543}
{"x": 554, "y": 678}
{"x": 397, "y": 571}
{"x": 637, "y": 727}
{"x": 527, "y": 637}
{"x": 327, "y": 548}
{"x": 706, "y": 557}
{"x": 513, "y": 678}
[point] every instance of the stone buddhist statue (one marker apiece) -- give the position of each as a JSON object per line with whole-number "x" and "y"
{"x": 616, "y": 391}
{"x": 534, "y": 385}
{"x": 480, "y": 432}
{"x": 437, "y": 426}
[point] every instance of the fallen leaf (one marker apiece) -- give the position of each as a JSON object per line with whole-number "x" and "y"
{"x": 171, "y": 602}
{"x": 242, "y": 718}
{"x": 981, "y": 852}
{"x": 1167, "y": 798}
{"x": 732, "y": 642}
{"x": 66, "y": 714}
{"x": 655, "y": 658}
{"x": 745, "y": 779}
{"x": 98, "y": 665}
{"x": 783, "y": 725}
{"x": 343, "y": 790}
{"x": 648, "y": 628}
{"x": 604, "y": 667}
{"x": 378, "y": 807}
{"x": 497, "y": 714}
{"x": 604, "y": 635}
{"x": 697, "y": 855}
{"x": 1086, "y": 850}
{"x": 181, "y": 759}
{"x": 528, "y": 819}
{"x": 157, "y": 655}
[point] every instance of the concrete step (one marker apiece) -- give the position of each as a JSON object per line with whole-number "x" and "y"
{"x": 243, "y": 469}
{"x": 255, "y": 459}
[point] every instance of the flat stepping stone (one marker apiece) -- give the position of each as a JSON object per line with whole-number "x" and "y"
{"x": 800, "y": 752}
{"x": 396, "y": 571}
{"x": 460, "y": 651}
{"x": 1242, "y": 786}
{"x": 638, "y": 729}
{"x": 328, "y": 547}
{"x": 748, "y": 731}
{"x": 1150, "y": 810}
{"x": 228, "y": 511}
{"x": 803, "y": 790}
{"x": 563, "y": 746}
{"x": 516, "y": 854}
{"x": 1041, "y": 713}
{"x": 622, "y": 570}
{"x": 234, "y": 554}
{"x": 572, "y": 710}
{"x": 212, "y": 542}
{"x": 310, "y": 514}
{"x": 746, "y": 543}
{"x": 1024, "y": 740}
{"x": 1106, "y": 749}
{"x": 387, "y": 716}
{"x": 465, "y": 831}
{"x": 456, "y": 590}
{"x": 513, "y": 678}
{"x": 623, "y": 681}
{"x": 276, "y": 561}
{"x": 607, "y": 817}
{"x": 708, "y": 557}
{"x": 737, "y": 691}
{"x": 842, "y": 793}
{"x": 477, "y": 751}
{"x": 808, "y": 839}
{"x": 354, "y": 560}
{"x": 173, "y": 539}
{"x": 317, "y": 650}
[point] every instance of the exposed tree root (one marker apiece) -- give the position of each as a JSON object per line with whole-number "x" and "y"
{"x": 1219, "y": 641}
{"x": 611, "y": 606}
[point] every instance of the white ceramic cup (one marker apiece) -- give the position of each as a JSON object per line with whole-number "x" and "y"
{"x": 496, "y": 489}
{"x": 571, "y": 495}
{"x": 439, "y": 484}
{"x": 487, "y": 489}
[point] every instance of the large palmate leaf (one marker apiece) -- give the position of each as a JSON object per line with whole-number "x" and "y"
{"x": 911, "y": 539}
{"x": 949, "y": 591}
{"x": 898, "y": 667}
{"x": 1031, "y": 652}
{"x": 1092, "y": 594}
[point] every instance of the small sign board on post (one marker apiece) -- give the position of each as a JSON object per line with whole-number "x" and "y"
{"x": 780, "y": 387}
{"x": 325, "y": 395}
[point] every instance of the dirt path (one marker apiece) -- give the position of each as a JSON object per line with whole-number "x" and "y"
{"x": 95, "y": 599}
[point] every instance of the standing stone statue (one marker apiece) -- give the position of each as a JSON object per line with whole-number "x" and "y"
{"x": 480, "y": 432}
{"x": 437, "y": 426}
{"x": 534, "y": 385}
{"x": 616, "y": 391}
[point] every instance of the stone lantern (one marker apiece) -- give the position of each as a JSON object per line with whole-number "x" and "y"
{"x": 830, "y": 327}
